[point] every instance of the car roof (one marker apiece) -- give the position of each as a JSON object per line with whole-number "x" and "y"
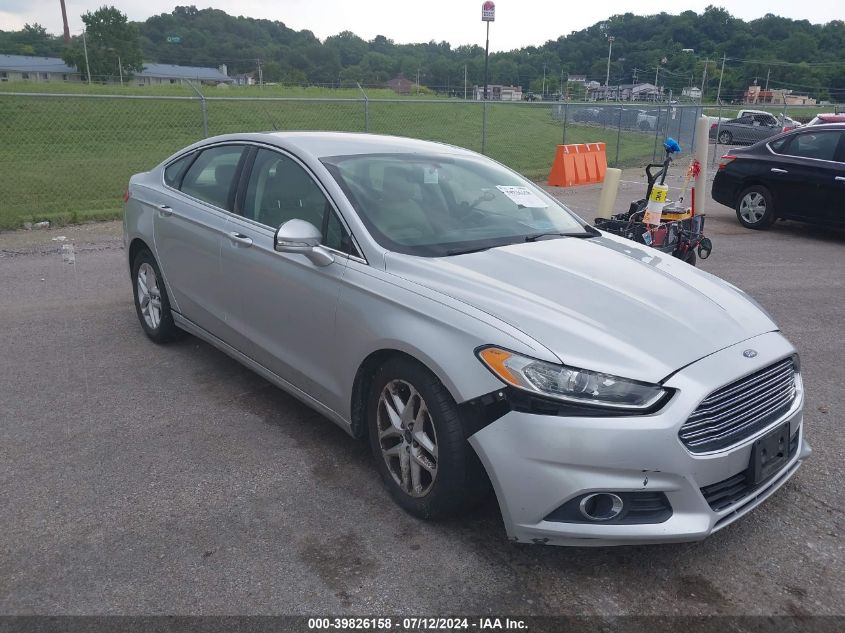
{"x": 322, "y": 144}
{"x": 832, "y": 118}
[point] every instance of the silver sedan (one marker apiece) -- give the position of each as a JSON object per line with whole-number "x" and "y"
{"x": 478, "y": 334}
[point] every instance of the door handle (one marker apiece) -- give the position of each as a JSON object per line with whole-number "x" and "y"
{"x": 164, "y": 210}
{"x": 775, "y": 170}
{"x": 840, "y": 178}
{"x": 239, "y": 239}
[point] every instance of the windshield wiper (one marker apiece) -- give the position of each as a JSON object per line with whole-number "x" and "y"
{"x": 466, "y": 251}
{"x": 588, "y": 232}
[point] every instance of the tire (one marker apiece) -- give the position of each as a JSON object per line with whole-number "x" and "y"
{"x": 645, "y": 126}
{"x": 725, "y": 137}
{"x": 458, "y": 481}
{"x": 689, "y": 257}
{"x": 754, "y": 208}
{"x": 152, "y": 305}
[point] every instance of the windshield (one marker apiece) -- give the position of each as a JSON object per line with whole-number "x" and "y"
{"x": 445, "y": 205}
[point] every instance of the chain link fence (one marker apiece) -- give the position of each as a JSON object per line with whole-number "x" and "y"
{"x": 68, "y": 157}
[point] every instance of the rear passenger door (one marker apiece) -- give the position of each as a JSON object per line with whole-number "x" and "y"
{"x": 190, "y": 225}
{"x": 281, "y": 306}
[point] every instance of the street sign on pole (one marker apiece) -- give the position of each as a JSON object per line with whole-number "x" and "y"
{"x": 488, "y": 12}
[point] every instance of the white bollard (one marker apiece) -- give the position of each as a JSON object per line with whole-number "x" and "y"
{"x": 608, "y": 193}
{"x": 702, "y": 134}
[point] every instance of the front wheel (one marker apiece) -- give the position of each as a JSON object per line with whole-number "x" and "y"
{"x": 418, "y": 442}
{"x": 725, "y": 137}
{"x": 754, "y": 208}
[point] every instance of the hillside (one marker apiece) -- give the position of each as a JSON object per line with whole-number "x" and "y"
{"x": 790, "y": 53}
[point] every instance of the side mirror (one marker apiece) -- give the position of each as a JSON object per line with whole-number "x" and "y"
{"x": 299, "y": 236}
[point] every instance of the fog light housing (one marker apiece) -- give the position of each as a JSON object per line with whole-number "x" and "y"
{"x": 614, "y": 508}
{"x": 601, "y": 506}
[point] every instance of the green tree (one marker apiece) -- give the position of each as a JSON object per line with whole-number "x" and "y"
{"x": 112, "y": 42}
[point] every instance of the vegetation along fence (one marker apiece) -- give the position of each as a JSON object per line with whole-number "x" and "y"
{"x": 68, "y": 157}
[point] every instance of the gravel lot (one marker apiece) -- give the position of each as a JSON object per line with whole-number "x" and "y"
{"x": 137, "y": 479}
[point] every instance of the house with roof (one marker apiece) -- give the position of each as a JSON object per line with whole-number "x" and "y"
{"x": 163, "y": 74}
{"x": 43, "y": 69}
{"x": 37, "y": 69}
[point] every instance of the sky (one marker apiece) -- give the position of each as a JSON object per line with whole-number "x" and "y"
{"x": 518, "y": 22}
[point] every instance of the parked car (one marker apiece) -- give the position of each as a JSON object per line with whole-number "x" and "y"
{"x": 648, "y": 120}
{"x": 799, "y": 175}
{"x": 473, "y": 330}
{"x": 746, "y": 130}
{"x": 821, "y": 119}
{"x": 585, "y": 115}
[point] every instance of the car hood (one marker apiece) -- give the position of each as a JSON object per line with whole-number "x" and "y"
{"x": 605, "y": 303}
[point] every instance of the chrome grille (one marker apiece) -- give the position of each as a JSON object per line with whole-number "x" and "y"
{"x": 740, "y": 409}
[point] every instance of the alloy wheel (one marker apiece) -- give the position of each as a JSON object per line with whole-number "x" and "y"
{"x": 149, "y": 295}
{"x": 752, "y": 208}
{"x": 407, "y": 437}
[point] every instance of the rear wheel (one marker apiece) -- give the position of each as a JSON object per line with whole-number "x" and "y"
{"x": 689, "y": 257}
{"x": 151, "y": 301}
{"x": 418, "y": 442}
{"x": 754, "y": 208}
{"x": 725, "y": 137}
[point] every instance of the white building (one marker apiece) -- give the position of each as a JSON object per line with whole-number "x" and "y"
{"x": 498, "y": 93}
{"x": 691, "y": 92}
{"x": 158, "y": 74}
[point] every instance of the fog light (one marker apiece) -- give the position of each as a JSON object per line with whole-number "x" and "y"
{"x": 601, "y": 506}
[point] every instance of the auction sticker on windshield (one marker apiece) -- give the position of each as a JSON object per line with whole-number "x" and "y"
{"x": 522, "y": 196}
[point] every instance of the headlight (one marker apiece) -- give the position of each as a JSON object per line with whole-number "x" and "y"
{"x": 568, "y": 383}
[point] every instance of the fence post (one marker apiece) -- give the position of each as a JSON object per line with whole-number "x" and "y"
{"x": 618, "y": 136}
{"x": 203, "y": 109}
{"x": 484, "y": 127}
{"x": 565, "y": 116}
{"x": 366, "y": 108}
{"x": 680, "y": 109}
{"x": 656, "y": 134}
{"x": 696, "y": 115}
{"x": 718, "y": 130}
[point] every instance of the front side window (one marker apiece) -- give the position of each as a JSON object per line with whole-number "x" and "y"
{"x": 441, "y": 204}
{"x": 279, "y": 189}
{"x": 211, "y": 177}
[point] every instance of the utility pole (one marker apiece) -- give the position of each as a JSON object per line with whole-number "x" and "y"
{"x": 703, "y": 80}
{"x": 768, "y": 73}
{"x": 465, "y": 82}
{"x": 721, "y": 74}
{"x": 120, "y": 70}
{"x": 260, "y": 74}
{"x": 64, "y": 23}
{"x": 609, "y": 50}
{"x": 634, "y": 75}
{"x": 418, "y": 80}
{"x": 544, "y": 80}
{"x": 85, "y": 49}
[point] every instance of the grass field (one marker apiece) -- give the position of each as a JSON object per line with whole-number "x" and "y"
{"x": 67, "y": 158}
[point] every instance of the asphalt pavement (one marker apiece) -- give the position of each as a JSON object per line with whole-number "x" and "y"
{"x": 145, "y": 479}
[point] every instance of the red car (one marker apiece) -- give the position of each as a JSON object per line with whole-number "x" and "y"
{"x": 827, "y": 118}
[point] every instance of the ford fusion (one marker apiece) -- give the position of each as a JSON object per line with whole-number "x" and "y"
{"x": 474, "y": 331}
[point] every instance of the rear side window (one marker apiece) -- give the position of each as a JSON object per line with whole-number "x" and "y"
{"x": 818, "y": 145}
{"x": 211, "y": 177}
{"x": 173, "y": 172}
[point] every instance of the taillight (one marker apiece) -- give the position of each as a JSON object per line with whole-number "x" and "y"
{"x": 126, "y": 196}
{"x": 713, "y": 126}
{"x": 726, "y": 160}
{"x": 788, "y": 128}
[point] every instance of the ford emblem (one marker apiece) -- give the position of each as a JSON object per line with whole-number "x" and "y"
{"x": 750, "y": 353}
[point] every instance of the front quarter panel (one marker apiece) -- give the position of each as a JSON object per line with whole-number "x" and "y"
{"x": 378, "y": 311}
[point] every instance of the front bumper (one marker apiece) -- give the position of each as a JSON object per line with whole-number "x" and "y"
{"x": 538, "y": 462}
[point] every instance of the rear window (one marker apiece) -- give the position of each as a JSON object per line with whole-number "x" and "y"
{"x": 173, "y": 172}
{"x": 211, "y": 176}
{"x": 817, "y": 145}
